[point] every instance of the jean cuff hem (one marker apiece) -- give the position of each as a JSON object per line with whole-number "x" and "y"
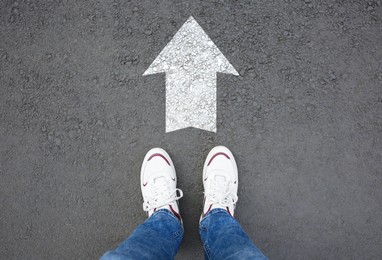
{"x": 168, "y": 212}
{"x": 214, "y": 211}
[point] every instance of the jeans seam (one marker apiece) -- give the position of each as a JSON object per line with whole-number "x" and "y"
{"x": 207, "y": 250}
{"x": 177, "y": 233}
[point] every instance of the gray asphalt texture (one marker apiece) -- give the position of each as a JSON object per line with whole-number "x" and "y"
{"x": 304, "y": 120}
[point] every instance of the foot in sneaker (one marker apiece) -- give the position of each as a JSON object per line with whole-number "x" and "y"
{"x": 220, "y": 181}
{"x": 158, "y": 183}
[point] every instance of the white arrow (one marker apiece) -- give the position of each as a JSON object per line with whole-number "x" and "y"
{"x": 190, "y": 61}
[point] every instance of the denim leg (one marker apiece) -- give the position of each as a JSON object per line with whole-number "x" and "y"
{"x": 158, "y": 237}
{"x": 223, "y": 238}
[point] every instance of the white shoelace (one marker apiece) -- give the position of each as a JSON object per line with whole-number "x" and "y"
{"x": 162, "y": 195}
{"x": 220, "y": 194}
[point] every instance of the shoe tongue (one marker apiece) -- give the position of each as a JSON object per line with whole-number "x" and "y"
{"x": 220, "y": 178}
{"x": 159, "y": 180}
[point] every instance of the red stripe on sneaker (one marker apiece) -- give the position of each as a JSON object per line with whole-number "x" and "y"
{"x": 175, "y": 213}
{"x": 161, "y": 155}
{"x": 229, "y": 212}
{"x": 204, "y": 214}
{"x": 216, "y": 154}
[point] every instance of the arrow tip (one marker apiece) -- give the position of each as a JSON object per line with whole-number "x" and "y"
{"x": 191, "y": 49}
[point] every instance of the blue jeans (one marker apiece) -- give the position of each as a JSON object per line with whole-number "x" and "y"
{"x": 160, "y": 235}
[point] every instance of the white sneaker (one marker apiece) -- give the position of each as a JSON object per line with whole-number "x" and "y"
{"x": 220, "y": 181}
{"x": 158, "y": 183}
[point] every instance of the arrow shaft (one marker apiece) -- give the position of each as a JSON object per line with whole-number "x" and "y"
{"x": 190, "y": 100}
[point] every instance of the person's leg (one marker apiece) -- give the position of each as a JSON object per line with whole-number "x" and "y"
{"x": 221, "y": 234}
{"x": 223, "y": 237}
{"x": 160, "y": 235}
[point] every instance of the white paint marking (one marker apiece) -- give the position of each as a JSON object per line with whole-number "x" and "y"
{"x": 190, "y": 61}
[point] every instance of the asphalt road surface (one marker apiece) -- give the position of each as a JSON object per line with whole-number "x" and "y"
{"x": 304, "y": 120}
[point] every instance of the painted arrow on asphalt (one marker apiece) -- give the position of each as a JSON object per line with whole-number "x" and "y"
{"x": 190, "y": 61}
